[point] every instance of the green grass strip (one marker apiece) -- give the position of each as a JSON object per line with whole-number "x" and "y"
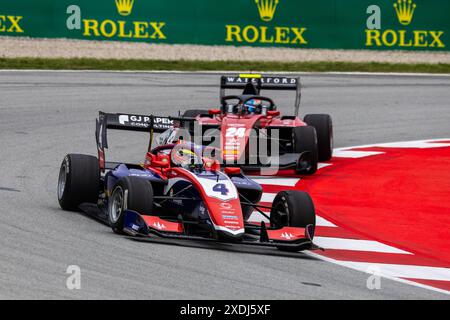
{"x": 185, "y": 65}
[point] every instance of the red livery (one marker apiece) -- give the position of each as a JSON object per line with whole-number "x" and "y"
{"x": 254, "y": 135}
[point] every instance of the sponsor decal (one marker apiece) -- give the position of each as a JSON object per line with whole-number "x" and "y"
{"x": 267, "y": 9}
{"x": 405, "y": 11}
{"x": 243, "y": 79}
{"x": 143, "y": 174}
{"x": 229, "y": 217}
{"x": 265, "y": 33}
{"x": 124, "y": 7}
{"x": 124, "y": 119}
{"x": 122, "y": 27}
{"x": 227, "y": 223}
{"x": 136, "y": 121}
{"x": 405, "y": 36}
{"x": 226, "y": 205}
{"x": 287, "y": 236}
{"x": 241, "y": 182}
{"x": 135, "y": 227}
{"x": 11, "y": 24}
{"x": 162, "y": 123}
{"x": 159, "y": 226}
{"x": 231, "y": 146}
{"x": 144, "y": 121}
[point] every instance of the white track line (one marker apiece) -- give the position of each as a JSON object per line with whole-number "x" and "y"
{"x": 406, "y": 271}
{"x": 428, "y": 143}
{"x": 358, "y": 245}
{"x": 268, "y": 197}
{"x": 416, "y": 144}
{"x": 321, "y": 165}
{"x": 369, "y": 270}
{"x": 320, "y": 222}
{"x": 258, "y": 217}
{"x": 339, "y": 153}
{"x": 277, "y": 181}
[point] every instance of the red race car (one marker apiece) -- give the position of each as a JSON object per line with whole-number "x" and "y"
{"x": 179, "y": 193}
{"x": 252, "y": 133}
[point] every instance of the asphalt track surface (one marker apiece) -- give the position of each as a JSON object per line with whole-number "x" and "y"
{"x": 45, "y": 115}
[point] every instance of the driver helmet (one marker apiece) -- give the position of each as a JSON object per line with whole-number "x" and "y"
{"x": 251, "y": 105}
{"x": 185, "y": 157}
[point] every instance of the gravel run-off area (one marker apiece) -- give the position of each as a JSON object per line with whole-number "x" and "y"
{"x": 11, "y": 47}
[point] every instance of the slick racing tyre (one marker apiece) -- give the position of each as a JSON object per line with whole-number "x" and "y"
{"x": 78, "y": 181}
{"x": 292, "y": 209}
{"x": 305, "y": 140}
{"x": 324, "y": 129}
{"x": 130, "y": 193}
{"x": 194, "y": 113}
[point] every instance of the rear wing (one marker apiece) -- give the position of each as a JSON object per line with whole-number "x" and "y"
{"x": 254, "y": 83}
{"x": 129, "y": 122}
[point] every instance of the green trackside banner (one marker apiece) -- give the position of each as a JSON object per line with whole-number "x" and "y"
{"x": 334, "y": 24}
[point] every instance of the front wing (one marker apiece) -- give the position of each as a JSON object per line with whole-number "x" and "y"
{"x": 143, "y": 228}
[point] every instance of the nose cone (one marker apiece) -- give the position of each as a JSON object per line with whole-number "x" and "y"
{"x": 230, "y": 236}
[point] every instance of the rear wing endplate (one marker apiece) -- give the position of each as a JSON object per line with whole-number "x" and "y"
{"x": 259, "y": 82}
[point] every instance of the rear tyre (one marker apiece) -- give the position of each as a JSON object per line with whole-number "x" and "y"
{"x": 78, "y": 181}
{"x": 292, "y": 209}
{"x": 324, "y": 129}
{"x": 305, "y": 140}
{"x": 130, "y": 193}
{"x": 194, "y": 113}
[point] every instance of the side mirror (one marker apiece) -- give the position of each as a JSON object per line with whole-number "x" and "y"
{"x": 214, "y": 111}
{"x": 232, "y": 171}
{"x": 160, "y": 164}
{"x": 157, "y": 161}
{"x": 212, "y": 165}
{"x": 273, "y": 113}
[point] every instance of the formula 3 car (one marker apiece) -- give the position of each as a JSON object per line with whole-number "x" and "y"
{"x": 247, "y": 119}
{"x": 178, "y": 193}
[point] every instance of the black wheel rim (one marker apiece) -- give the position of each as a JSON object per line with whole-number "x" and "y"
{"x": 279, "y": 215}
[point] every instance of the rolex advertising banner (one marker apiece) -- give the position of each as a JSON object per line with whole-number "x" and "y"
{"x": 334, "y": 24}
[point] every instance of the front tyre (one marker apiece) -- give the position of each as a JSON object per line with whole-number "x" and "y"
{"x": 78, "y": 181}
{"x": 130, "y": 193}
{"x": 324, "y": 129}
{"x": 292, "y": 209}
